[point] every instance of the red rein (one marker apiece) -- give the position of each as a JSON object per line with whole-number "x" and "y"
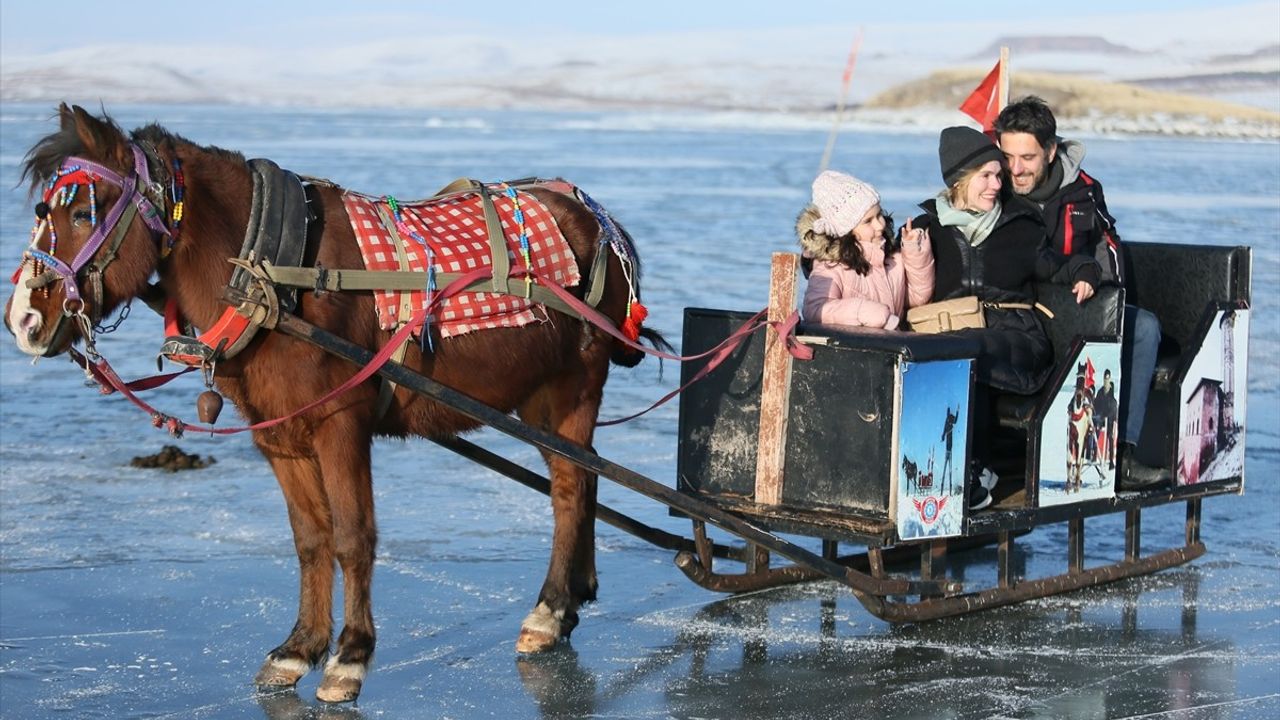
{"x": 107, "y": 377}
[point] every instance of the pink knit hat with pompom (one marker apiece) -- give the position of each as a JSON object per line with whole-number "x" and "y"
{"x": 842, "y": 200}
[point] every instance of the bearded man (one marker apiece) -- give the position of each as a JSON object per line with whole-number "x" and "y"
{"x": 1047, "y": 170}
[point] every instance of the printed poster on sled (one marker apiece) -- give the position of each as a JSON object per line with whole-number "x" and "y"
{"x": 933, "y": 435}
{"x": 1212, "y": 416}
{"x": 1078, "y": 440}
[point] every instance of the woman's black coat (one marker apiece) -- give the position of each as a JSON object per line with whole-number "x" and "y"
{"x": 1016, "y": 356}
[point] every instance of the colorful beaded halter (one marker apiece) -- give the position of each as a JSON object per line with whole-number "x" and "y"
{"x": 61, "y": 191}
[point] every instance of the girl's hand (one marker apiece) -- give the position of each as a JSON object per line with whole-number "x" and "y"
{"x": 1083, "y": 291}
{"x": 919, "y": 236}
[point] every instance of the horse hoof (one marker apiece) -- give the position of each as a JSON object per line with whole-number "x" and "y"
{"x": 542, "y": 628}
{"x": 338, "y": 689}
{"x": 534, "y": 641}
{"x": 341, "y": 682}
{"x": 278, "y": 674}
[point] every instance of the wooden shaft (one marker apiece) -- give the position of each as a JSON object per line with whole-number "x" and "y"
{"x": 775, "y": 388}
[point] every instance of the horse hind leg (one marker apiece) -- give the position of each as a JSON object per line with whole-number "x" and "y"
{"x": 570, "y": 411}
{"x": 583, "y": 582}
{"x": 571, "y": 574}
{"x": 307, "y": 644}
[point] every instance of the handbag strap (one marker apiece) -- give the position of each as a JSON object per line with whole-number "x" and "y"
{"x": 1019, "y": 306}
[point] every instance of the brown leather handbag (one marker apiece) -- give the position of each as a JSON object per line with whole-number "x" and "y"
{"x": 947, "y": 315}
{"x": 960, "y": 313}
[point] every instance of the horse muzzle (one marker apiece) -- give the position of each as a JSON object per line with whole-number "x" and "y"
{"x": 32, "y": 332}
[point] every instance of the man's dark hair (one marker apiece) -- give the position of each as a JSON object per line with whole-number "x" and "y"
{"x": 1029, "y": 115}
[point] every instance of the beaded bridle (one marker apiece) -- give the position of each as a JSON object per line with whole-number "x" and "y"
{"x": 61, "y": 190}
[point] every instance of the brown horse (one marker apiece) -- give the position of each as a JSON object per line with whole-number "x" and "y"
{"x": 551, "y": 373}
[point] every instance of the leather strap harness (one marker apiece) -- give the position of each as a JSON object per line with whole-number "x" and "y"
{"x": 277, "y": 233}
{"x": 269, "y": 270}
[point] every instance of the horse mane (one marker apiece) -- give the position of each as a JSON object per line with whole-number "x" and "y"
{"x": 156, "y": 135}
{"x": 46, "y": 156}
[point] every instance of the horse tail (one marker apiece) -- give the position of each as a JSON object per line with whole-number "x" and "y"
{"x": 627, "y": 356}
{"x": 617, "y": 240}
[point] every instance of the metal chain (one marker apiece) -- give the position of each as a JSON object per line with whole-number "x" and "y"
{"x": 108, "y": 329}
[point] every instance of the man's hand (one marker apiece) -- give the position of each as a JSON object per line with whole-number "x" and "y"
{"x": 1083, "y": 291}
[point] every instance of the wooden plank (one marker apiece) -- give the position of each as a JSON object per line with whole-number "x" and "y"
{"x": 775, "y": 387}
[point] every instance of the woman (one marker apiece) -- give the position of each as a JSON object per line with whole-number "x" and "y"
{"x": 992, "y": 245}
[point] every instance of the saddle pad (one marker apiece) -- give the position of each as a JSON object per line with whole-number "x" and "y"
{"x": 454, "y": 228}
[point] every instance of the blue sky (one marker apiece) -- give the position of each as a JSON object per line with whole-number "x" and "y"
{"x": 37, "y": 26}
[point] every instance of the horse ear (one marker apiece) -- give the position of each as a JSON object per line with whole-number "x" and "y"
{"x": 101, "y": 139}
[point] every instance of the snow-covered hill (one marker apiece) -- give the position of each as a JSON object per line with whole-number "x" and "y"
{"x": 1231, "y": 53}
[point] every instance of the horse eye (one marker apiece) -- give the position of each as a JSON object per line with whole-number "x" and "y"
{"x": 81, "y": 216}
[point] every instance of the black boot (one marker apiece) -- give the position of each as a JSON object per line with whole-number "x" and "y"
{"x": 979, "y": 498}
{"x": 1132, "y": 475}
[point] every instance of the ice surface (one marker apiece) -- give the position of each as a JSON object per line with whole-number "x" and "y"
{"x": 129, "y": 593}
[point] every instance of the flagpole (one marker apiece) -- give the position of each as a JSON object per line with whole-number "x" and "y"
{"x": 844, "y": 93}
{"x": 1004, "y": 78}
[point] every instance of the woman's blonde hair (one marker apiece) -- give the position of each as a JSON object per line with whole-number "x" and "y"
{"x": 958, "y": 190}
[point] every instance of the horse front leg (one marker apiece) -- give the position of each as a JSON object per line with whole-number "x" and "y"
{"x": 571, "y": 573}
{"x": 343, "y": 444}
{"x": 300, "y": 481}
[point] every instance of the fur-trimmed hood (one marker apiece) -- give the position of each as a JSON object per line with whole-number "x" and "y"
{"x": 815, "y": 244}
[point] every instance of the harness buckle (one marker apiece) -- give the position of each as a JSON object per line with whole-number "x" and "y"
{"x": 181, "y": 346}
{"x": 322, "y": 281}
{"x": 155, "y": 193}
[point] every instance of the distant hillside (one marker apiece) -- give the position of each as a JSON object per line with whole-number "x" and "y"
{"x": 1072, "y": 97}
{"x": 1222, "y": 61}
{"x": 1270, "y": 52}
{"x": 1029, "y": 44}
{"x": 1205, "y": 83}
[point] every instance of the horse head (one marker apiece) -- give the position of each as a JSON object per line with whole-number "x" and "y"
{"x": 97, "y": 237}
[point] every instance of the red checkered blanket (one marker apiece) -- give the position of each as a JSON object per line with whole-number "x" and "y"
{"x": 454, "y": 228}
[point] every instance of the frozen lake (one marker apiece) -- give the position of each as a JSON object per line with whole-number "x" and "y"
{"x": 128, "y": 593}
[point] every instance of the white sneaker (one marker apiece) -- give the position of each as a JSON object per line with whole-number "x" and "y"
{"x": 988, "y": 479}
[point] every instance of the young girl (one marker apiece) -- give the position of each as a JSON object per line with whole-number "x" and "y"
{"x": 859, "y": 276}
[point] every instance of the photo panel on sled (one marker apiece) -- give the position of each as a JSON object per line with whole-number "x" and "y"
{"x": 1195, "y": 420}
{"x": 1213, "y": 389}
{"x": 1078, "y": 438}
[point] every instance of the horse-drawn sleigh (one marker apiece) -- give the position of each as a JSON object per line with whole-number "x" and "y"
{"x": 298, "y": 324}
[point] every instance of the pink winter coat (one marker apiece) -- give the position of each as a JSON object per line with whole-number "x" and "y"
{"x": 838, "y": 295}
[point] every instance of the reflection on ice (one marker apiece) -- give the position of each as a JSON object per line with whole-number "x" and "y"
{"x": 1046, "y": 661}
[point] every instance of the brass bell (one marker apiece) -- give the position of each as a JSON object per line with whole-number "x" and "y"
{"x": 208, "y": 405}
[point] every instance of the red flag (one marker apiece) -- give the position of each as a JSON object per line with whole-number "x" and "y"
{"x": 1088, "y": 372}
{"x": 983, "y": 104}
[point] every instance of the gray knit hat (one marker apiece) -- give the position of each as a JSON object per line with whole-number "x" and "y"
{"x": 962, "y": 148}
